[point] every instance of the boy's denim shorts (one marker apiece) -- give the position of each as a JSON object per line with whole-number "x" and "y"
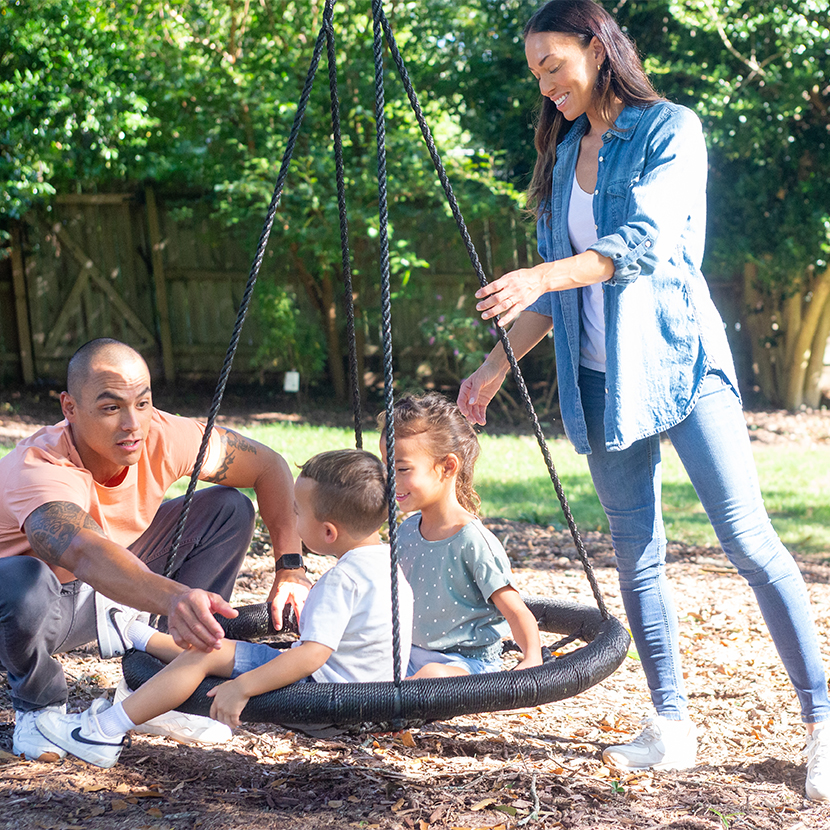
{"x": 419, "y": 657}
{"x": 250, "y": 656}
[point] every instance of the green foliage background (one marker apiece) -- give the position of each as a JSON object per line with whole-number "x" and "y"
{"x": 198, "y": 96}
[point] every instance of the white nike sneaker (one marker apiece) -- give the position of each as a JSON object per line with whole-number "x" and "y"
{"x": 817, "y": 751}
{"x": 663, "y": 744}
{"x": 29, "y": 742}
{"x": 179, "y": 726}
{"x": 112, "y": 620}
{"x": 81, "y": 736}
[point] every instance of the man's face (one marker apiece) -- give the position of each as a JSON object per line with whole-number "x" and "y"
{"x": 110, "y": 416}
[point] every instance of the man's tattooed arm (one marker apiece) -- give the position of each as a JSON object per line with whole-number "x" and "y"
{"x": 232, "y": 443}
{"x": 52, "y": 527}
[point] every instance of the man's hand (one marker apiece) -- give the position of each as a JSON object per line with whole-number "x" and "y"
{"x": 290, "y": 587}
{"x": 190, "y": 620}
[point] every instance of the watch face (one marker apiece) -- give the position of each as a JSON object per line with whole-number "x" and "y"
{"x": 290, "y": 561}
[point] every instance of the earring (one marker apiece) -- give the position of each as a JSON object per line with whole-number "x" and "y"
{"x": 599, "y": 67}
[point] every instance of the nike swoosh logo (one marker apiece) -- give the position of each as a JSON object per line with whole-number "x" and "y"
{"x": 76, "y": 736}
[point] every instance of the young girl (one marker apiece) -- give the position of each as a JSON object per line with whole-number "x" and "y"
{"x": 460, "y": 576}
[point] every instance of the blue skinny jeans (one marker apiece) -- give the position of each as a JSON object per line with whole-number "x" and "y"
{"x": 713, "y": 444}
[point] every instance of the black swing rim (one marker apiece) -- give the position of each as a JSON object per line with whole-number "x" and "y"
{"x": 365, "y": 707}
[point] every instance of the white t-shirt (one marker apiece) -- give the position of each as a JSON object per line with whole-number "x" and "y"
{"x": 583, "y": 233}
{"x": 349, "y": 609}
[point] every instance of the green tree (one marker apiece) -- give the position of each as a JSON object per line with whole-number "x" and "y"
{"x": 198, "y": 96}
{"x": 757, "y": 73}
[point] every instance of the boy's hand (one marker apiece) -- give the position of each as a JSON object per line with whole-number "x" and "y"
{"x": 228, "y": 702}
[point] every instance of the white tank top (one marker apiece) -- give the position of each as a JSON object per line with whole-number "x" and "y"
{"x": 583, "y": 234}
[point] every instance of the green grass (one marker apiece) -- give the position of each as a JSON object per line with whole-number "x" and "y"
{"x": 514, "y": 484}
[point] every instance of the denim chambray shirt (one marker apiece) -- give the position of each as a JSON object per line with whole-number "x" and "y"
{"x": 662, "y": 330}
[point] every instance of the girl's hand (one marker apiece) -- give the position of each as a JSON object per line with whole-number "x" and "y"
{"x": 228, "y": 702}
{"x": 528, "y": 662}
{"x": 511, "y": 294}
{"x": 478, "y": 390}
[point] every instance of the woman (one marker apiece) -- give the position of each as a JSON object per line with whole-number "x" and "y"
{"x": 619, "y": 192}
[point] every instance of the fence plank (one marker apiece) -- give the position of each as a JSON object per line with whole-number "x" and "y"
{"x": 21, "y": 307}
{"x": 162, "y": 306}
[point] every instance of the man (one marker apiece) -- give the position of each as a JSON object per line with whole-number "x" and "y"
{"x": 84, "y": 532}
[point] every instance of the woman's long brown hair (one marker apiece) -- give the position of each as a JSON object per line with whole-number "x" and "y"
{"x": 621, "y": 77}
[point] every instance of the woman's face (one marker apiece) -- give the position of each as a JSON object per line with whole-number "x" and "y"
{"x": 566, "y": 70}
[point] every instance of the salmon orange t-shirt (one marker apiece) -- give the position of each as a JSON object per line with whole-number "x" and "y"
{"x": 46, "y": 467}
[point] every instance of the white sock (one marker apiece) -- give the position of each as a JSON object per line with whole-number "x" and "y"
{"x": 138, "y": 633}
{"x": 114, "y": 721}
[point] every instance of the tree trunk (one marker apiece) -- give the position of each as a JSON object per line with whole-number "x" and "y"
{"x": 321, "y": 294}
{"x": 788, "y": 338}
{"x": 810, "y": 319}
{"x": 815, "y": 366}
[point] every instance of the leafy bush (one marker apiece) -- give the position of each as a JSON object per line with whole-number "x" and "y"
{"x": 289, "y": 338}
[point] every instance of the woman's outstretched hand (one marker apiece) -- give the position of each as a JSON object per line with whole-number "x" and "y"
{"x": 511, "y": 294}
{"x": 477, "y": 391}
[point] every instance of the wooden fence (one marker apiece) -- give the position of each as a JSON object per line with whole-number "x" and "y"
{"x": 168, "y": 279}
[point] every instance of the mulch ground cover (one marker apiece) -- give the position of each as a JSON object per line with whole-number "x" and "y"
{"x": 538, "y": 767}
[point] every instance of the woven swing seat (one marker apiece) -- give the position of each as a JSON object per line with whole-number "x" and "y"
{"x": 380, "y": 707}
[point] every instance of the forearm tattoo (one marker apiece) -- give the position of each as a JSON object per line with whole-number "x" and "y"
{"x": 232, "y": 443}
{"x": 51, "y": 528}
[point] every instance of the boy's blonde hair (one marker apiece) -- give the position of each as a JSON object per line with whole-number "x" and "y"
{"x": 446, "y": 431}
{"x": 350, "y": 491}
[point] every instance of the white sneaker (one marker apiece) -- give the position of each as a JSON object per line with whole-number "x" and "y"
{"x": 179, "y": 726}
{"x": 112, "y": 621}
{"x": 663, "y": 744}
{"x": 81, "y": 736}
{"x": 817, "y": 751}
{"x": 27, "y": 738}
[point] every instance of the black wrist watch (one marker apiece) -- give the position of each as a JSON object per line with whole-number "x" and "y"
{"x": 289, "y": 562}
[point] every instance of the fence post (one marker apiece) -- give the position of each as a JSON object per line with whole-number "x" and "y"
{"x": 21, "y": 306}
{"x": 162, "y": 307}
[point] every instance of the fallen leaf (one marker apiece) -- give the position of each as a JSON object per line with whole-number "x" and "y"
{"x": 480, "y": 805}
{"x": 407, "y": 739}
{"x": 119, "y": 804}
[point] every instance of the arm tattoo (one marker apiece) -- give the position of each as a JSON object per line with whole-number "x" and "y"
{"x": 52, "y": 527}
{"x": 232, "y": 442}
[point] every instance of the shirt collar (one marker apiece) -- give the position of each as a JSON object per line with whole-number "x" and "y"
{"x": 626, "y": 123}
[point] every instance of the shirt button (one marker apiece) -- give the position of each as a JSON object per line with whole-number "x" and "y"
{"x": 596, "y": 192}
{"x": 648, "y": 243}
{"x": 601, "y": 158}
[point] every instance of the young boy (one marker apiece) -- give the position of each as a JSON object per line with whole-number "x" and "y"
{"x": 345, "y": 627}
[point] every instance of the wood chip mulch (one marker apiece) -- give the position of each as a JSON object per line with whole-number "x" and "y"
{"x": 526, "y": 768}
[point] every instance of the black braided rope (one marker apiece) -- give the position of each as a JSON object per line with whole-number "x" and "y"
{"x": 502, "y": 334}
{"x": 386, "y": 326}
{"x": 173, "y": 563}
{"x": 348, "y": 291}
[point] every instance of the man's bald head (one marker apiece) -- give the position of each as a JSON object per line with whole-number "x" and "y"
{"x": 104, "y": 351}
